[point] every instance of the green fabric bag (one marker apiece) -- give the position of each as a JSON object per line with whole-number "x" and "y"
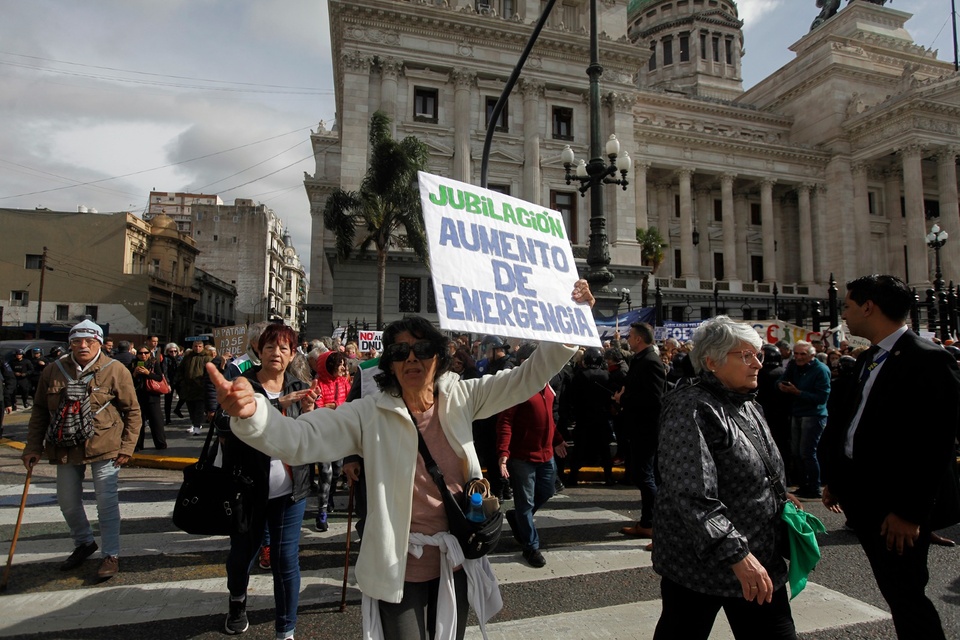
{"x": 802, "y": 529}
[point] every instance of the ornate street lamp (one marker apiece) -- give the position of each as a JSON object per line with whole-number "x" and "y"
{"x": 935, "y": 240}
{"x": 776, "y": 302}
{"x": 624, "y": 298}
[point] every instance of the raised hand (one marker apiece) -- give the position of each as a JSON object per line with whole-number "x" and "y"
{"x": 581, "y": 293}
{"x": 236, "y": 397}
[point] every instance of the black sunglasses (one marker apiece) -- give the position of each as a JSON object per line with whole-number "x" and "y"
{"x": 143, "y": 353}
{"x": 423, "y": 350}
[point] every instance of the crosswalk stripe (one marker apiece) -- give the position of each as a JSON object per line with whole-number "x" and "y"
{"x": 57, "y": 611}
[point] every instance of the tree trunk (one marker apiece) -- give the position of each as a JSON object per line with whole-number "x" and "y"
{"x": 381, "y": 284}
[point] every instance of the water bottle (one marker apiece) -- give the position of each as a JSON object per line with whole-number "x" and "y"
{"x": 475, "y": 508}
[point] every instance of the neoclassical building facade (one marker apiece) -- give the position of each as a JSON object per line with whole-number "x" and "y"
{"x": 838, "y": 163}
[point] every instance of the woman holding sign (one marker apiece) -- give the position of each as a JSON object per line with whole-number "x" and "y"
{"x": 410, "y": 587}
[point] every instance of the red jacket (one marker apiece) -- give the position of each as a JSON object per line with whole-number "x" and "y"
{"x": 527, "y": 431}
{"x": 333, "y": 388}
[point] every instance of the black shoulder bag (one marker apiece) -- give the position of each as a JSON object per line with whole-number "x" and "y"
{"x": 476, "y": 539}
{"x": 212, "y": 500}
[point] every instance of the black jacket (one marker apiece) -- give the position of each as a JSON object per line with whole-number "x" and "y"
{"x": 643, "y": 395}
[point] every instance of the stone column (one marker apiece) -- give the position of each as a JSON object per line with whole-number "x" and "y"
{"x": 891, "y": 206}
{"x": 806, "y": 234}
{"x": 741, "y": 210}
{"x": 532, "y": 92}
{"x": 861, "y": 218}
{"x": 820, "y": 269}
{"x": 390, "y": 71}
{"x": 769, "y": 235}
{"x": 640, "y": 187}
{"x": 704, "y": 215}
{"x": 620, "y": 205}
{"x": 355, "y": 125}
{"x": 917, "y": 265}
{"x": 949, "y": 213}
{"x": 729, "y": 227}
{"x": 688, "y": 257}
{"x": 463, "y": 82}
{"x": 664, "y": 214}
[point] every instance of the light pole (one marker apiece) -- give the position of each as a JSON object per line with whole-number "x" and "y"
{"x": 597, "y": 172}
{"x": 935, "y": 240}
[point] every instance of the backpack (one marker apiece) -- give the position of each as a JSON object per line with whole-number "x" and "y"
{"x": 72, "y": 423}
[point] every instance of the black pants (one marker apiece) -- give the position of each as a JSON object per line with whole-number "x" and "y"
{"x": 902, "y": 581}
{"x": 416, "y": 615}
{"x": 167, "y": 406}
{"x": 689, "y": 615}
{"x": 150, "y": 412}
{"x": 24, "y": 389}
{"x": 642, "y": 457}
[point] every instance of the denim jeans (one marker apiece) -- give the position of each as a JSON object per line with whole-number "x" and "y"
{"x": 284, "y": 519}
{"x": 70, "y": 499}
{"x": 533, "y": 485}
{"x": 805, "y": 432}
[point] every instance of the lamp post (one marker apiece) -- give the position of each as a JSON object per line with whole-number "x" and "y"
{"x": 832, "y": 301}
{"x": 776, "y": 301}
{"x": 624, "y": 298}
{"x": 935, "y": 240}
{"x": 597, "y": 172}
{"x": 716, "y": 298}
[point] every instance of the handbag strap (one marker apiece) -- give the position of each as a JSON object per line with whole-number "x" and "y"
{"x": 772, "y": 475}
{"x": 205, "y": 452}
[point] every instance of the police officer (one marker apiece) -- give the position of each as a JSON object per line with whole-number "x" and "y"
{"x": 22, "y": 370}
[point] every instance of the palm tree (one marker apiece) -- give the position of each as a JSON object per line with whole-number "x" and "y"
{"x": 652, "y": 245}
{"x": 387, "y": 206}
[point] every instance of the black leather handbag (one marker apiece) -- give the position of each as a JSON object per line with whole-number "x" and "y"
{"x": 476, "y": 539}
{"x": 212, "y": 500}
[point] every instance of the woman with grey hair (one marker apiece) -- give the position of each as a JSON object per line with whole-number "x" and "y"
{"x": 715, "y": 527}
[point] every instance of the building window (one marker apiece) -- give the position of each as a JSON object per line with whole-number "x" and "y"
{"x": 676, "y": 263}
{"x": 33, "y": 261}
{"x": 431, "y": 297}
{"x": 718, "y": 210}
{"x": 676, "y": 314}
{"x": 684, "y": 47}
{"x": 667, "y": 51}
{"x": 409, "y": 295}
{"x": 716, "y": 48}
{"x": 91, "y": 310}
{"x": 756, "y": 268}
{"x": 728, "y": 44}
{"x": 652, "y": 63}
{"x": 872, "y": 203}
{"x": 501, "y": 124}
{"x": 756, "y": 217}
{"x": 156, "y": 321}
{"x": 703, "y": 46}
{"x": 718, "y": 266}
{"x": 19, "y": 298}
{"x": 566, "y": 203}
{"x": 63, "y": 312}
{"x": 676, "y": 205}
{"x": 509, "y": 9}
{"x": 563, "y": 123}
{"x": 425, "y": 104}
{"x": 500, "y": 188}
{"x": 215, "y": 237}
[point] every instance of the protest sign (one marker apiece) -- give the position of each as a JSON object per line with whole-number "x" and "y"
{"x": 680, "y": 331}
{"x": 773, "y": 331}
{"x": 232, "y": 339}
{"x": 501, "y": 265}
{"x": 367, "y": 339}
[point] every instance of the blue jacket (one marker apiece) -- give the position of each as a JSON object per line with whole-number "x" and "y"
{"x": 813, "y": 381}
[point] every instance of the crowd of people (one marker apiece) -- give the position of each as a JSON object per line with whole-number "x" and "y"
{"x": 716, "y": 434}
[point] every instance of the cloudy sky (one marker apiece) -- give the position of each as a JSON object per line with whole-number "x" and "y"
{"x": 102, "y": 101}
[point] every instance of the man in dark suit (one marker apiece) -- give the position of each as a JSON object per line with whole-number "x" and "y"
{"x": 640, "y": 415}
{"x": 889, "y": 457}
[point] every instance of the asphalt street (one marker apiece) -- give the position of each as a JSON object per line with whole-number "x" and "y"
{"x": 597, "y": 583}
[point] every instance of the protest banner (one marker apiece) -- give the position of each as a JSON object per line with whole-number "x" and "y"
{"x": 232, "y": 339}
{"x": 622, "y": 322}
{"x": 501, "y": 265}
{"x": 681, "y": 331}
{"x": 367, "y": 339}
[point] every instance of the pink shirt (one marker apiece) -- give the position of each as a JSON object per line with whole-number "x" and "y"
{"x": 428, "y": 515}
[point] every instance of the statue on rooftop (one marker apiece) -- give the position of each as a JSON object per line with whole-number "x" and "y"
{"x": 829, "y": 8}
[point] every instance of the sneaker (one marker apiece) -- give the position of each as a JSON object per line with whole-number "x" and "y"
{"x": 108, "y": 568}
{"x": 322, "y": 522}
{"x": 236, "y": 622}
{"x": 506, "y": 493}
{"x": 534, "y": 558}
{"x": 79, "y": 554}
{"x": 263, "y": 563}
{"x": 197, "y": 431}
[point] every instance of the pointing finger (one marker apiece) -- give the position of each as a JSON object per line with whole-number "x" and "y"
{"x": 216, "y": 377}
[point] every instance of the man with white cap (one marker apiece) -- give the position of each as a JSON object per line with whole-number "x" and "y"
{"x": 86, "y": 413}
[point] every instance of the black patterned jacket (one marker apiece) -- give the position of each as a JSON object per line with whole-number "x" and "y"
{"x": 716, "y": 503}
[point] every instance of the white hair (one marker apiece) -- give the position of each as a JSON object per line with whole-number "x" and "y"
{"x": 718, "y": 336}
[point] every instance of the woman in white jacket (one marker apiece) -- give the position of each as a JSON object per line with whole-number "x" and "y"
{"x": 409, "y": 568}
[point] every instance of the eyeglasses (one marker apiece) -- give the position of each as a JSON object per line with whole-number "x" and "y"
{"x": 423, "y": 350}
{"x": 748, "y": 356}
{"x": 79, "y": 341}
{"x": 143, "y": 353}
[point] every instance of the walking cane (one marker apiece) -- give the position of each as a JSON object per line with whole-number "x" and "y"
{"x": 16, "y": 530}
{"x": 346, "y": 562}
